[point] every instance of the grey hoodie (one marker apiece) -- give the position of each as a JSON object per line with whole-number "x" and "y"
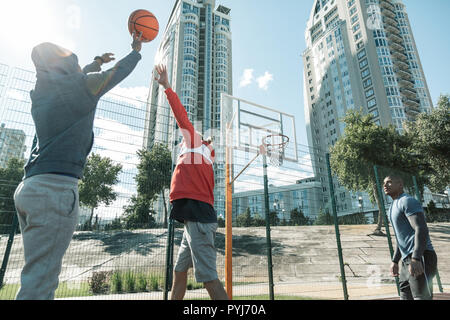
{"x": 64, "y": 102}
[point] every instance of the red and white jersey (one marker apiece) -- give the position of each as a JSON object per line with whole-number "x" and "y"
{"x": 193, "y": 177}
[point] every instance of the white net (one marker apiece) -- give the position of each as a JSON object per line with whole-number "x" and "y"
{"x": 275, "y": 146}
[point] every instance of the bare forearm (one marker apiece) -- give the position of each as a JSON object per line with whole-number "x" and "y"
{"x": 417, "y": 221}
{"x": 397, "y": 255}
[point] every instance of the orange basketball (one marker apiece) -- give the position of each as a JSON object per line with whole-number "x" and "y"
{"x": 143, "y": 21}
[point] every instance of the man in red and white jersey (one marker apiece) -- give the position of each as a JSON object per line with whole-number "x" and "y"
{"x": 192, "y": 198}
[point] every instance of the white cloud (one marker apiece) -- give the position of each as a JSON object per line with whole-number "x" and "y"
{"x": 263, "y": 81}
{"x": 118, "y": 142}
{"x": 247, "y": 78}
{"x": 136, "y": 96}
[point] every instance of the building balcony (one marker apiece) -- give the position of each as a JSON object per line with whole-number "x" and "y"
{"x": 399, "y": 55}
{"x": 391, "y": 28}
{"x": 395, "y": 46}
{"x": 405, "y": 83}
{"x": 388, "y": 13}
{"x": 391, "y": 23}
{"x": 411, "y": 102}
{"x": 395, "y": 38}
{"x": 415, "y": 111}
{"x": 403, "y": 73}
{"x": 412, "y": 113}
{"x": 410, "y": 93}
{"x": 401, "y": 64}
{"x": 387, "y": 4}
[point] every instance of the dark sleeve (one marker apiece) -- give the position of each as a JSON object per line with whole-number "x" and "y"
{"x": 100, "y": 83}
{"x": 419, "y": 225}
{"x": 93, "y": 67}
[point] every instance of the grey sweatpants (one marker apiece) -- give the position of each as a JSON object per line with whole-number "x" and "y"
{"x": 47, "y": 207}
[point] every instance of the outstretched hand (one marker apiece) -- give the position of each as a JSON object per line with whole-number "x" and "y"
{"x": 137, "y": 42}
{"x": 163, "y": 77}
{"x": 105, "y": 58}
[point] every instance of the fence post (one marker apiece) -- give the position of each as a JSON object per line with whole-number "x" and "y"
{"x": 385, "y": 219}
{"x": 169, "y": 259}
{"x": 268, "y": 239}
{"x": 418, "y": 197}
{"x": 8, "y": 248}
{"x": 336, "y": 227}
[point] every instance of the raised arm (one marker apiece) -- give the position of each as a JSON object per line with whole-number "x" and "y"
{"x": 181, "y": 116}
{"x": 96, "y": 65}
{"x": 101, "y": 82}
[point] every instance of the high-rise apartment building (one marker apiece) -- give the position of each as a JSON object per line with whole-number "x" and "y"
{"x": 196, "y": 47}
{"x": 12, "y": 145}
{"x": 360, "y": 54}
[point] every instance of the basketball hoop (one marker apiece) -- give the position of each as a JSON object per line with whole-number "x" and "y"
{"x": 275, "y": 145}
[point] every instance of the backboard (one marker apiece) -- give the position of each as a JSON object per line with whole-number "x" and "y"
{"x": 251, "y": 122}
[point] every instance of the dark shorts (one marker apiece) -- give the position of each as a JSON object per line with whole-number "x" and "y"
{"x": 193, "y": 210}
{"x": 420, "y": 287}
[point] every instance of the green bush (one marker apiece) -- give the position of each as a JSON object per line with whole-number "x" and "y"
{"x": 192, "y": 285}
{"x": 141, "y": 282}
{"x": 155, "y": 282}
{"x": 116, "y": 282}
{"x": 99, "y": 282}
{"x": 129, "y": 282}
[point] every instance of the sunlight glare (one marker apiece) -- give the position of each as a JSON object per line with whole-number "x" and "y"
{"x": 25, "y": 23}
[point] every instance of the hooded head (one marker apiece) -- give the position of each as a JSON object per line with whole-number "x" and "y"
{"x": 51, "y": 58}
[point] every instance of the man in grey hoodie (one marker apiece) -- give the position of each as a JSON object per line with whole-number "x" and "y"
{"x": 64, "y": 103}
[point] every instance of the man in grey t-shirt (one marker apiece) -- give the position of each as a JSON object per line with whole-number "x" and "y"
{"x": 414, "y": 248}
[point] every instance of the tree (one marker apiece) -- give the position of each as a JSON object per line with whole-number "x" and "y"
{"x": 10, "y": 178}
{"x": 298, "y": 218}
{"x": 96, "y": 187}
{"x": 429, "y": 136}
{"x": 364, "y": 145}
{"x": 324, "y": 218}
{"x": 273, "y": 217}
{"x": 138, "y": 214}
{"x": 258, "y": 221}
{"x": 244, "y": 219}
{"x": 154, "y": 173}
{"x": 153, "y": 177}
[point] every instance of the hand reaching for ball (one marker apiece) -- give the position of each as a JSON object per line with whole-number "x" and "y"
{"x": 137, "y": 42}
{"x": 161, "y": 76}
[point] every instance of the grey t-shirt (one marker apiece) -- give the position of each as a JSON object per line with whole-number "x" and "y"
{"x": 400, "y": 209}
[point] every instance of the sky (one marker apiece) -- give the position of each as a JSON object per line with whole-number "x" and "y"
{"x": 268, "y": 41}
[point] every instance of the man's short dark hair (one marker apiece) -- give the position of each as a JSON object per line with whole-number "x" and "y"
{"x": 395, "y": 177}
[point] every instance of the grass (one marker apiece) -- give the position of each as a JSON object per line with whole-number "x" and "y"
{"x": 64, "y": 290}
{"x": 267, "y": 297}
{"x": 125, "y": 282}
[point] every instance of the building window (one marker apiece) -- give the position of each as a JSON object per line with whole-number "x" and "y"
{"x": 371, "y": 103}
{"x": 367, "y": 83}
{"x": 369, "y": 93}
{"x": 363, "y": 64}
{"x": 365, "y": 73}
{"x": 361, "y": 54}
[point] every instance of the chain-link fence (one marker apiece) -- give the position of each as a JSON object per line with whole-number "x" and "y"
{"x": 322, "y": 243}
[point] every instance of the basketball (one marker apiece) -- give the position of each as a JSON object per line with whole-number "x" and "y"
{"x": 143, "y": 21}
